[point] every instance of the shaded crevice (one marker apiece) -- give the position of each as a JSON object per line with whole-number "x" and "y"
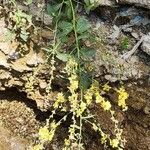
{"x": 13, "y": 93}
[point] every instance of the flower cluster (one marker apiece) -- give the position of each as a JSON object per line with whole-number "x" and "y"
{"x": 123, "y": 95}
{"x": 47, "y": 135}
{"x": 59, "y": 101}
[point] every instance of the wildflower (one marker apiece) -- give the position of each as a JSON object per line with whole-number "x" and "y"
{"x": 103, "y": 137}
{"x": 123, "y": 95}
{"x": 74, "y": 101}
{"x": 60, "y": 99}
{"x": 88, "y": 97}
{"x": 99, "y": 98}
{"x": 106, "y": 105}
{"x": 53, "y": 125}
{"x": 45, "y": 134}
{"x": 71, "y": 66}
{"x": 106, "y": 87}
{"x": 73, "y": 83}
{"x": 38, "y": 147}
{"x": 67, "y": 142}
{"x": 114, "y": 143}
{"x": 81, "y": 109}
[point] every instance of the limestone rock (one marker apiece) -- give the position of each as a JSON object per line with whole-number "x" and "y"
{"x": 146, "y": 44}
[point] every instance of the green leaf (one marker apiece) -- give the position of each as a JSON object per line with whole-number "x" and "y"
{"x": 9, "y": 36}
{"x": 82, "y": 25}
{"x": 24, "y": 35}
{"x": 53, "y": 9}
{"x": 88, "y": 53}
{"x": 85, "y": 80}
{"x": 65, "y": 27}
{"x": 84, "y": 36}
{"x": 62, "y": 56}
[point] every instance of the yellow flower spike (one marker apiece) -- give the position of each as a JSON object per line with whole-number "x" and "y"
{"x": 60, "y": 99}
{"x": 88, "y": 97}
{"x": 123, "y": 95}
{"x": 56, "y": 105}
{"x": 74, "y": 83}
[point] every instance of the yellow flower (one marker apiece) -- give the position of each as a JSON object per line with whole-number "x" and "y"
{"x": 103, "y": 137}
{"x": 106, "y": 105}
{"x": 53, "y": 125}
{"x": 99, "y": 98}
{"x": 38, "y": 147}
{"x": 73, "y": 83}
{"x": 60, "y": 99}
{"x": 67, "y": 142}
{"x": 114, "y": 143}
{"x": 71, "y": 66}
{"x": 81, "y": 109}
{"x": 106, "y": 87}
{"x": 123, "y": 95}
{"x": 88, "y": 97}
{"x": 45, "y": 135}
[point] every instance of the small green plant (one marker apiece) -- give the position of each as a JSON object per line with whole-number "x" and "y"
{"x": 20, "y": 22}
{"x": 125, "y": 43}
{"x": 91, "y": 4}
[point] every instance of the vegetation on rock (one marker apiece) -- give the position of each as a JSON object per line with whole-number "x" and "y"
{"x": 71, "y": 33}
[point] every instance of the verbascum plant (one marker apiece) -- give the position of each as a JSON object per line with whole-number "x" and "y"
{"x": 82, "y": 91}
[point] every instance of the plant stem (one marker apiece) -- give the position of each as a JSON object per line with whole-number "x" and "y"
{"x": 74, "y": 28}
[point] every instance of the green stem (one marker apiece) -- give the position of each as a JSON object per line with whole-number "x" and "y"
{"x": 74, "y": 28}
{"x": 56, "y": 25}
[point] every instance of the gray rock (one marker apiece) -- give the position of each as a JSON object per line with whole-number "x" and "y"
{"x": 146, "y": 44}
{"x": 110, "y": 78}
{"x": 141, "y": 3}
{"x": 115, "y": 33}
